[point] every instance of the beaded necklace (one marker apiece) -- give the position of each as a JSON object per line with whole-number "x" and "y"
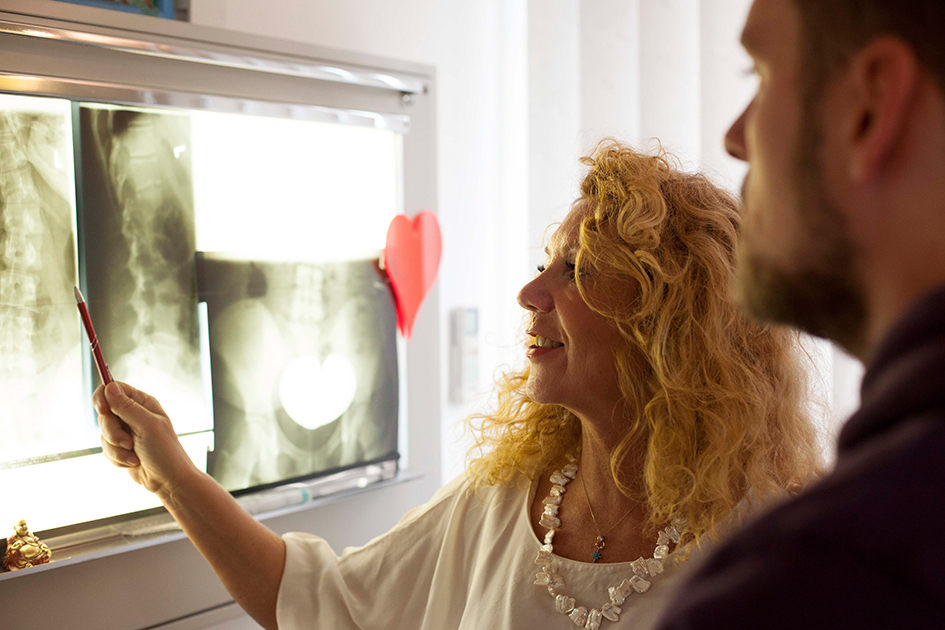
{"x": 549, "y": 576}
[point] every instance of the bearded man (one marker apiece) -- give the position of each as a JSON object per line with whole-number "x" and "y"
{"x": 844, "y": 220}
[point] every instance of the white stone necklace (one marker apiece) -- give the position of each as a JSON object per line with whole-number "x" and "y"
{"x": 549, "y": 576}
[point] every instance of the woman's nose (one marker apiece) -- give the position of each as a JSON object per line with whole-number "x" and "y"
{"x": 535, "y": 297}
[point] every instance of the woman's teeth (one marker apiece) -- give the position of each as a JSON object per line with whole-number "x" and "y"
{"x": 544, "y": 342}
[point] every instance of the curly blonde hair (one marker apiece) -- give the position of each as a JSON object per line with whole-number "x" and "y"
{"x": 719, "y": 407}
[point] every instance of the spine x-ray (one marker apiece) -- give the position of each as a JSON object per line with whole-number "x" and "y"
{"x": 140, "y": 244}
{"x": 40, "y": 356}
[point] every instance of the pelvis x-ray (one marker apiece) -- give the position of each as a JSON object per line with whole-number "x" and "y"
{"x": 140, "y": 243}
{"x": 40, "y": 356}
{"x": 304, "y": 366}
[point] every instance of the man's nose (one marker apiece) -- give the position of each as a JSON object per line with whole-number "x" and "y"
{"x": 735, "y": 137}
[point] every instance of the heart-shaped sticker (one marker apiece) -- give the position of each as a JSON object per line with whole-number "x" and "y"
{"x": 411, "y": 260}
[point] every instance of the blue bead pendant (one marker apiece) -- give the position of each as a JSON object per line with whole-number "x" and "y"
{"x": 599, "y": 545}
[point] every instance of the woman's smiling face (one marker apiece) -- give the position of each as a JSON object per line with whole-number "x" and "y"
{"x": 571, "y": 347}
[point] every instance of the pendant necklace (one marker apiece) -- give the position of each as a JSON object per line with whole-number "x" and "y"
{"x": 549, "y": 576}
{"x": 599, "y": 545}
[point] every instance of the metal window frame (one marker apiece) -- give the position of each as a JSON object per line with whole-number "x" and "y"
{"x": 116, "y": 94}
{"x": 295, "y": 67}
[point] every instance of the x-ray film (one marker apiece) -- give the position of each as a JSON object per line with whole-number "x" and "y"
{"x": 40, "y": 332}
{"x": 140, "y": 243}
{"x": 304, "y": 367}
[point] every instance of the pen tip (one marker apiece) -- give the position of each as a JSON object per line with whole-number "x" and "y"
{"x": 78, "y": 295}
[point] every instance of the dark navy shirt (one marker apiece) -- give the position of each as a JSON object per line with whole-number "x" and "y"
{"x": 865, "y": 546}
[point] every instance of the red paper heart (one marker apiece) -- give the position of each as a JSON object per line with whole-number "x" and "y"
{"x": 411, "y": 260}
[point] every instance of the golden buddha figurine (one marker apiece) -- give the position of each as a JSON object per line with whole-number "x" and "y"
{"x": 25, "y": 550}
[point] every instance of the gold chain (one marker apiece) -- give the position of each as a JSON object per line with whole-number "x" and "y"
{"x": 600, "y": 543}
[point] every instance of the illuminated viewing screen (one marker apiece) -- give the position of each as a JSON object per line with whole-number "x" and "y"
{"x": 228, "y": 263}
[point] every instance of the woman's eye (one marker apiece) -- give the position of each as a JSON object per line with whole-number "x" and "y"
{"x": 570, "y": 266}
{"x": 572, "y": 270}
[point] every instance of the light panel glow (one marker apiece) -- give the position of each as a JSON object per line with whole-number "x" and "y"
{"x": 80, "y": 489}
{"x": 314, "y": 394}
{"x": 287, "y": 190}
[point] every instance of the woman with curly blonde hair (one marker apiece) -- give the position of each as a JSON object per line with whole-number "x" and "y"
{"x": 712, "y": 404}
{"x": 651, "y": 418}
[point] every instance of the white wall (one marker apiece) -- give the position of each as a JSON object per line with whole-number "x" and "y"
{"x": 610, "y": 71}
{"x": 670, "y": 90}
{"x": 554, "y": 115}
{"x": 666, "y": 69}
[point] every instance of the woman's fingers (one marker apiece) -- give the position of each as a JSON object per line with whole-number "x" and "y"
{"x": 112, "y": 430}
{"x": 141, "y": 398}
{"x": 119, "y": 456}
{"x": 98, "y": 399}
{"x": 134, "y": 408}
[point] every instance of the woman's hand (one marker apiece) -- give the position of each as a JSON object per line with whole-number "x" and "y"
{"x": 225, "y": 534}
{"x": 147, "y": 445}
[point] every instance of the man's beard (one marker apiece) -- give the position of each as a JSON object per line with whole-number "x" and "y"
{"x": 822, "y": 293}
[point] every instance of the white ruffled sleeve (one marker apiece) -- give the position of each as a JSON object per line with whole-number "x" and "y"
{"x": 385, "y": 584}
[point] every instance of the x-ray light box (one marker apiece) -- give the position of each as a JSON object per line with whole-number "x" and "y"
{"x": 228, "y": 263}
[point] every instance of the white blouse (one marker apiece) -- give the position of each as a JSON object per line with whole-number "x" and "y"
{"x": 463, "y": 560}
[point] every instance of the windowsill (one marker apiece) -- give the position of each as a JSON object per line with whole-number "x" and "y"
{"x": 101, "y": 542}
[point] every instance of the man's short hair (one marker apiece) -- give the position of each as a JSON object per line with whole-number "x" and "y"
{"x": 832, "y": 30}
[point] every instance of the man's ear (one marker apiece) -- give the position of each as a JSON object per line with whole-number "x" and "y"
{"x": 885, "y": 77}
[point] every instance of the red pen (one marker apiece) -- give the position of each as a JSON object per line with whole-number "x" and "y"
{"x": 103, "y": 372}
